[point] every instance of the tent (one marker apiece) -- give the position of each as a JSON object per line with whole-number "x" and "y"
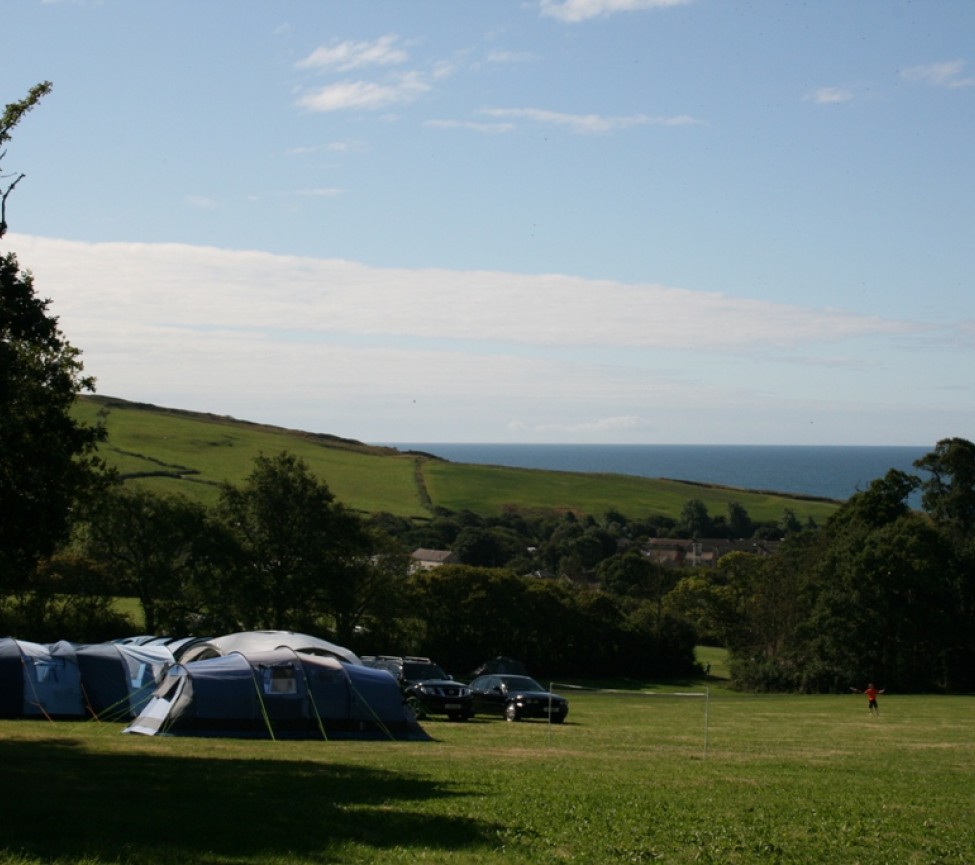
{"x": 177, "y": 645}
{"x": 276, "y": 694}
{"x": 118, "y": 679}
{"x": 38, "y": 681}
{"x": 248, "y": 642}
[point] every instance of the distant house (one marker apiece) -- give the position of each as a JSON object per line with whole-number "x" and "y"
{"x": 702, "y": 552}
{"x": 424, "y": 560}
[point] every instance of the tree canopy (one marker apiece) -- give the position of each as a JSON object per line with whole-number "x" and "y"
{"x": 47, "y": 459}
{"x": 13, "y": 113}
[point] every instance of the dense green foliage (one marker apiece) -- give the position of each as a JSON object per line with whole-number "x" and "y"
{"x": 281, "y": 553}
{"x": 786, "y": 779}
{"x": 881, "y": 592}
{"x": 467, "y": 615}
{"x": 47, "y": 457}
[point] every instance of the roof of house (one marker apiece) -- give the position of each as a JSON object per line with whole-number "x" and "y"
{"x": 425, "y": 555}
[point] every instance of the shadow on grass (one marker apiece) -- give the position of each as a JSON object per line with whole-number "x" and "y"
{"x": 64, "y": 803}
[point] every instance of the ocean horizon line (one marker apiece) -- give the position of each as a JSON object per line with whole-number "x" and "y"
{"x": 821, "y": 471}
{"x": 480, "y": 443}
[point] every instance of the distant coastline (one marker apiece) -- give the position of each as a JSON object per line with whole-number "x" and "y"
{"x": 821, "y": 471}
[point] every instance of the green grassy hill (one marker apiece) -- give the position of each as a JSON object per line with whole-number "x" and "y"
{"x": 170, "y": 450}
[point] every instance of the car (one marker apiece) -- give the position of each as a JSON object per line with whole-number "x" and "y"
{"x": 426, "y": 688}
{"x": 517, "y": 697}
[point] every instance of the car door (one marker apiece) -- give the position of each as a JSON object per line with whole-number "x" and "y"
{"x": 488, "y": 699}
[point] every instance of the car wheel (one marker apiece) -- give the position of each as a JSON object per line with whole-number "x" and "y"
{"x": 457, "y": 716}
{"x": 511, "y": 712}
{"x": 558, "y": 719}
{"x": 416, "y": 707}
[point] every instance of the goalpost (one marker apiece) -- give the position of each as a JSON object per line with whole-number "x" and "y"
{"x": 703, "y": 696}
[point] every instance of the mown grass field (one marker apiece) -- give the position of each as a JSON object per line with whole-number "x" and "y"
{"x": 194, "y": 453}
{"x": 785, "y": 779}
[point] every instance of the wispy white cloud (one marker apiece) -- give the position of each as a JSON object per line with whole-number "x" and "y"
{"x": 588, "y": 123}
{"x": 368, "y": 95}
{"x": 201, "y": 202}
{"x": 344, "y": 146}
{"x": 830, "y": 95}
{"x": 321, "y": 192}
{"x": 574, "y": 11}
{"x": 203, "y": 288}
{"x": 261, "y": 336}
{"x": 502, "y": 57}
{"x": 473, "y": 126}
{"x": 348, "y": 55}
{"x": 947, "y": 74}
{"x": 599, "y": 426}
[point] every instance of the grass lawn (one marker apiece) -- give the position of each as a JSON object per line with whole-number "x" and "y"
{"x": 784, "y": 779}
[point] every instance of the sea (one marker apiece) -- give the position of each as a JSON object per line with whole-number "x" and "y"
{"x": 823, "y": 471}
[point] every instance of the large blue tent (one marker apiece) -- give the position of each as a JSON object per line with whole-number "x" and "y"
{"x": 279, "y": 693}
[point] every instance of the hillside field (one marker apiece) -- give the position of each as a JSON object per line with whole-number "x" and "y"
{"x": 192, "y": 453}
{"x": 629, "y": 778}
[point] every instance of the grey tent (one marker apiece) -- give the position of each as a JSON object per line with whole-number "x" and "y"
{"x": 39, "y": 681}
{"x": 248, "y": 642}
{"x": 177, "y": 645}
{"x": 117, "y": 679}
{"x": 277, "y": 694}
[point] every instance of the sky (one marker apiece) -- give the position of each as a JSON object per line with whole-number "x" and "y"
{"x": 572, "y": 221}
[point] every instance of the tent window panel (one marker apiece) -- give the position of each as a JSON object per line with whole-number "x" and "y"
{"x": 280, "y": 680}
{"x": 137, "y": 672}
{"x": 47, "y": 671}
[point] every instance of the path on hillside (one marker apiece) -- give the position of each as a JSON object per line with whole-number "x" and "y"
{"x": 421, "y": 484}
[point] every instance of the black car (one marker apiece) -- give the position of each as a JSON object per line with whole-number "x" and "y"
{"x": 427, "y": 689}
{"x": 517, "y": 697}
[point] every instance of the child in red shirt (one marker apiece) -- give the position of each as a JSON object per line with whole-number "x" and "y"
{"x": 871, "y": 691}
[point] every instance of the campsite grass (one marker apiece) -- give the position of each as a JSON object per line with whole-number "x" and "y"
{"x": 784, "y": 779}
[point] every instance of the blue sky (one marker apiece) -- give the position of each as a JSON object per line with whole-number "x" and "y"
{"x": 660, "y": 221}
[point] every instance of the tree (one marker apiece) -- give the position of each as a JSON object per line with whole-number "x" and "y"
{"x": 881, "y": 594}
{"x": 298, "y": 547}
{"x": 152, "y": 545}
{"x": 487, "y": 547}
{"x": 371, "y": 591}
{"x": 739, "y": 522}
{"x": 694, "y": 521}
{"x": 883, "y": 608}
{"x": 633, "y": 575}
{"x": 13, "y": 113}
{"x": 948, "y": 495}
{"x": 47, "y": 459}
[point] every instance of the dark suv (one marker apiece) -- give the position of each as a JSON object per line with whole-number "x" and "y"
{"x": 427, "y": 689}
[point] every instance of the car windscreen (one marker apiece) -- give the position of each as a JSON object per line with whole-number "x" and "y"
{"x": 521, "y": 683}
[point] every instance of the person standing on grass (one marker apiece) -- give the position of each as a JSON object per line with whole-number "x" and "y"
{"x": 872, "y": 692}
